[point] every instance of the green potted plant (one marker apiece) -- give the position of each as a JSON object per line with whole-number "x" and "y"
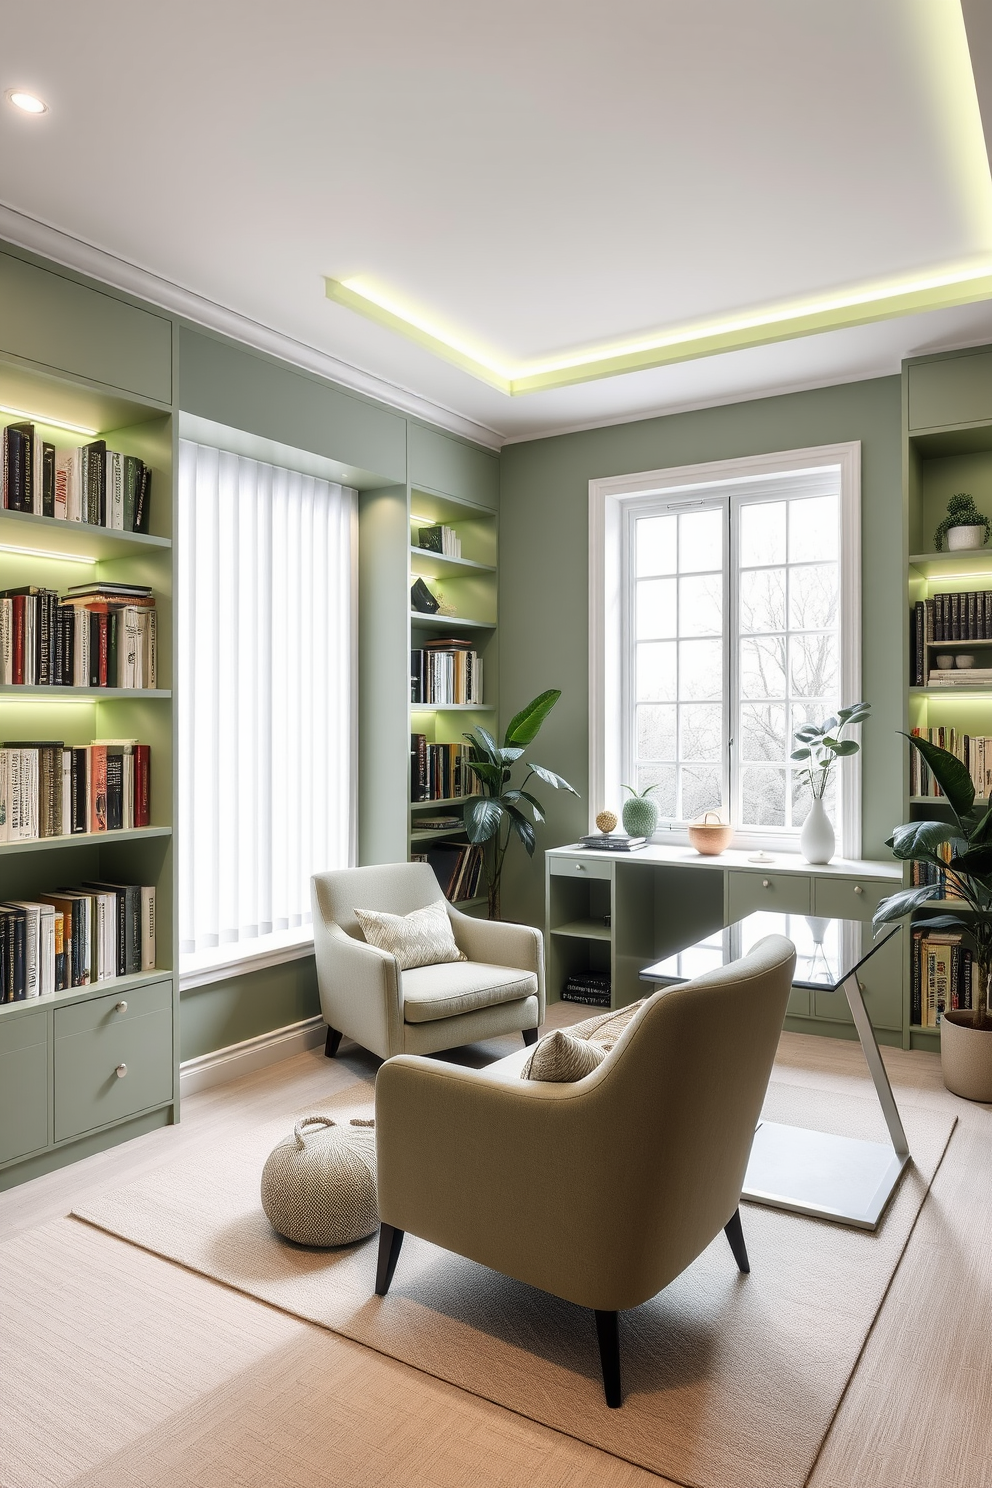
{"x": 964, "y": 525}
{"x": 966, "y": 1034}
{"x": 499, "y": 813}
{"x": 820, "y": 747}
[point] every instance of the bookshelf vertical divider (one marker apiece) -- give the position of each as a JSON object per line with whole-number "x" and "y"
{"x": 85, "y": 1068}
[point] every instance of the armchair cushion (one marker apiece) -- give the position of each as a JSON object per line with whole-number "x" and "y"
{"x": 422, "y": 938}
{"x": 433, "y": 992}
{"x": 563, "y": 1058}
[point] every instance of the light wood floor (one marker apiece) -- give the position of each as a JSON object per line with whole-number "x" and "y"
{"x": 119, "y": 1370}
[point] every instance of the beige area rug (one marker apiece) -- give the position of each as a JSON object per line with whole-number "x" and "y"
{"x": 729, "y": 1381}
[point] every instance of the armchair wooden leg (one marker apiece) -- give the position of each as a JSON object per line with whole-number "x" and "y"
{"x": 331, "y": 1042}
{"x": 530, "y": 1035}
{"x": 735, "y": 1235}
{"x": 608, "y": 1330}
{"x": 390, "y": 1241}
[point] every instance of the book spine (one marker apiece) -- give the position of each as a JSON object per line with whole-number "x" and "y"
{"x": 17, "y": 631}
{"x": 98, "y": 788}
{"x": 115, "y": 789}
{"x": 142, "y": 504}
{"x": 61, "y": 963}
{"x": 148, "y": 929}
{"x": 6, "y": 641}
{"x": 142, "y": 785}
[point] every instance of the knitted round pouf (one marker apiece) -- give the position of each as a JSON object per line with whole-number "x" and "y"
{"x": 318, "y": 1186}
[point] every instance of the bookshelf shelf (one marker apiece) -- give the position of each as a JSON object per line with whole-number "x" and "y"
{"x": 447, "y": 801}
{"x": 430, "y": 834}
{"x": 80, "y": 542}
{"x": 974, "y": 691}
{"x": 441, "y": 623}
{"x": 63, "y": 1109}
{"x": 426, "y": 564}
{"x": 973, "y": 563}
{"x": 12, "y": 690}
{"x": 584, "y": 930}
{"x": 451, "y": 708}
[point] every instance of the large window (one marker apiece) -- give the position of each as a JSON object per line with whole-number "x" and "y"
{"x": 266, "y": 640}
{"x": 725, "y": 616}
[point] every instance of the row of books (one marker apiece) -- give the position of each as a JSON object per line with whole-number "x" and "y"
{"x": 74, "y": 938}
{"x": 929, "y": 873}
{"x": 439, "y": 539}
{"x": 587, "y": 987}
{"x": 944, "y": 975}
{"x": 98, "y": 635}
{"x": 445, "y": 672}
{"x": 49, "y": 790}
{"x": 973, "y": 750}
{"x": 439, "y": 772}
{"x": 88, "y": 483}
{"x": 457, "y": 868}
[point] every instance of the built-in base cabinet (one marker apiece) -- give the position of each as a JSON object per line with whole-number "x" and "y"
{"x": 615, "y": 916}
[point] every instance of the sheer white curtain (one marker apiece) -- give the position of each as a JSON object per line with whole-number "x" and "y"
{"x": 267, "y": 695}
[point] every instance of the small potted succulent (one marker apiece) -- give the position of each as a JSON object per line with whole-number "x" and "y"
{"x": 640, "y": 816}
{"x": 964, "y": 525}
{"x": 962, "y": 849}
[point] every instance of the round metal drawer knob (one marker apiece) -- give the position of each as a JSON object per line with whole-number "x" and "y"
{"x": 766, "y": 883}
{"x": 580, "y": 867}
{"x": 121, "y": 1007}
{"x": 858, "y": 889}
{"x": 121, "y": 1071}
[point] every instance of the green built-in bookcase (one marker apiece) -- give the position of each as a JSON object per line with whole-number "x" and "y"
{"x": 947, "y": 425}
{"x": 86, "y": 1068}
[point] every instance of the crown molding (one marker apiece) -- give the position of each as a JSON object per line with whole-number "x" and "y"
{"x": 86, "y": 258}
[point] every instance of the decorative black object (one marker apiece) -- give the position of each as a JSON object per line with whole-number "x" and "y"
{"x": 422, "y": 600}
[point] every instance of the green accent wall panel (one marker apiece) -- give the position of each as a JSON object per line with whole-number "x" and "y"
{"x": 543, "y": 601}
{"x": 242, "y": 1007}
{"x": 441, "y": 463}
{"x": 246, "y": 390}
{"x": 59, "y": 323}
{"x": 950, "y": 390}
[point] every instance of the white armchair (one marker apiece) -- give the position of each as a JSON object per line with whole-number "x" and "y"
{"x": 364, "y": 994}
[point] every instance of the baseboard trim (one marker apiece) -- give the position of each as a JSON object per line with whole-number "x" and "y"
{"x": 222, "y": 1065}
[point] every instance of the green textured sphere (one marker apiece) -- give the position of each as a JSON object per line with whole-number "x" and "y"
{"x": 640, "y": 816}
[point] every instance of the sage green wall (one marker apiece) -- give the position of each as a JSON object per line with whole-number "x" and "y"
{"x": 543, "y": 606}
{"x": 225, "y": 1013}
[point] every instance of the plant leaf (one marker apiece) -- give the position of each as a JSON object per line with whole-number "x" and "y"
{"x": 945, "y": 922}
{"x": 980, "y": 831}
{"x": 491, "y": 775}
{"x": 976, "y": 862}
{"x": 800, "y": 754}
{"x": 845, "y": 746}
{"x": 900, "y": 904}
{"x": 950, "y": 773}
{"x": 535, "y": 805}
{"x": 484, "y": 740}
{"x": 919, "y": 840}
{"x": 550, "y": 778}
{"x": 509, "y": 755}
{"x": 808, "y": 733}
{"x": 482, "y": 819}
{"x": 523, "y": 829}
{"x": 523, "y": 726}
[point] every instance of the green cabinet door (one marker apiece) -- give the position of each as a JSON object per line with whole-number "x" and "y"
{"x": 24, "y": 1102}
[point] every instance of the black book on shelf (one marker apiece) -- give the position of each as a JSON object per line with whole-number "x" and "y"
{"x": 422, "y": 600}
{"x": 95, "y": 494}
{"x": 416, "y": 676}
{"x": 115, "y": 790}
{"x": 48, "y": 480}
{"x": 142, "y": 500}
{"x": 15, "y": 469}
{"x": 17, "y": 971}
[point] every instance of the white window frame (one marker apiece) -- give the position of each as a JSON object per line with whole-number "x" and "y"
{"x": 609, "y": 498}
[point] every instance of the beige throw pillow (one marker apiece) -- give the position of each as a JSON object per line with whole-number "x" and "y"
{"x": 423, "y": 938}
{"x": 562, "y": 1058}
{"x": 606, "y": 1028}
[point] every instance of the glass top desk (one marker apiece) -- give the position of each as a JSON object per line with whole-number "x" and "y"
{"x": 810, "y": 1172}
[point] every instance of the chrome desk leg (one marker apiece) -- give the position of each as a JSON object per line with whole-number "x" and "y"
{"x": 873, "y": 1059}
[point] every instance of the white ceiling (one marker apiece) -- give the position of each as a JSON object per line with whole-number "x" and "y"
{"x": 536, "y": 176}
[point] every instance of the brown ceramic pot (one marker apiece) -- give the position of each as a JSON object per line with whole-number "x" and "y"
{"x": 709, "y": 835}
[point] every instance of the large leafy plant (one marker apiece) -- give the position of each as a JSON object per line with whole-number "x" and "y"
{"x": 821, "y": 745}
{"x": 500, "y": 813}
{"x": 967, "y": 843}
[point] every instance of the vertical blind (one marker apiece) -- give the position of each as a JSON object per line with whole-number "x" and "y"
{"x": 267, "y": 693}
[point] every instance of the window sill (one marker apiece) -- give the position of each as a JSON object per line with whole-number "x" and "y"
{"x": 240, "y": 960}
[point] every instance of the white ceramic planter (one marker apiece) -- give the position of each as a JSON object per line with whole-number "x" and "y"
{"x": 966, "y": 1057}
{"x": 960, "y": 538}
{"x": 816, "y": 840}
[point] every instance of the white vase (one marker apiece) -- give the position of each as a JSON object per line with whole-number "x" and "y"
{"x": 816, "y": 840}
{"x": 960, "y": 539}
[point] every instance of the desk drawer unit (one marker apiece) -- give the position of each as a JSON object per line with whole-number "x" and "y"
{"x": 113, "y": 1058}
{"x": 588, "y": 867}
{"x": 881, "y": 976}
{"x": 23, "y": 1084}
{"x": 784, "y": 893}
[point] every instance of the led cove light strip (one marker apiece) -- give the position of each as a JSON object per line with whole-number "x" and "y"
{"x": 51, "y": 423}
{"x": 46, "y": 553}
{"x": 943, "y": 289}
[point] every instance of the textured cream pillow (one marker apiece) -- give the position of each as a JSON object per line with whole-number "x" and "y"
{"x": 562, "y": 1058}
{"x": 423, "y": 938}
{"x": 606, "y": 1028}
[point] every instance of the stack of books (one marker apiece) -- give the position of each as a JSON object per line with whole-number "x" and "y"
{"x": 973, "y": 750}
{"x": 440, "y": 539}
{"x": 613, "y": 842}
{"x": 587, "y": 987}
{"x": 959, "y": 677}
{"x": 445, "y": 671}
{"x": 49, "y": 790}
{"x": 457, "y": 868}
{"x": 943, "y": 976}
{"x": 86, "y": 484}
{"x": 99, "y": 635}
{"x": 75, "y": 937}
{"x": 440, "y": 772}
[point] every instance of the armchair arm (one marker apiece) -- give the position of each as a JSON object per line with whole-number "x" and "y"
{"x": 523, "y": 1176}
{"x": 361, "y": 989}
{"x": 501, "y": 944}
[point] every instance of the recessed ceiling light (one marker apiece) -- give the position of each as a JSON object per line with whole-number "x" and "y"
{"x": 28, "y": 103}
